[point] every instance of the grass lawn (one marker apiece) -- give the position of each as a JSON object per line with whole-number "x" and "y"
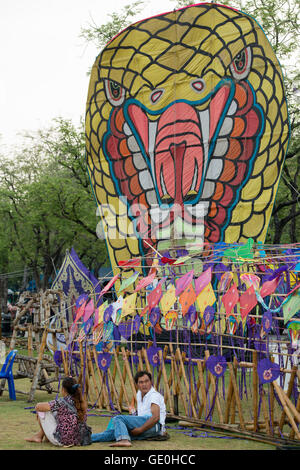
{"x": 17, "y": 423}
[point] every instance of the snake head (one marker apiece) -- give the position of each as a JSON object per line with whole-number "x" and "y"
{"x": 186, "y": 129}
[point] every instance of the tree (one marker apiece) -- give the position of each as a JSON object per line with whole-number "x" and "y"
{"x": 47, "y": 204}
{"x": 101, "y": 35}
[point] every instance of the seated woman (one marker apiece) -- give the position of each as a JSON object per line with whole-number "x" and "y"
{"x": 62, "y": 420}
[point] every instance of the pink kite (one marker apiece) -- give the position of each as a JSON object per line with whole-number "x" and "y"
{"x": 202, "y": 280}
{"x": 146, "y": 281}
{"x": 108, "y": 286}
{"x": 154, "y": 296}
{"x": 80, "y": 312}
{"x": 183, "y": 282}
{"x": 230, "y": 299}
{"x": 248, "y": 301}
{"x": 89, "y": 310}
{"x": 269, "y": 287}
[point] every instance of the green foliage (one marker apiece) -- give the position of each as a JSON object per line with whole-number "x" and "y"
{"x": 101, "y": 35}
{"x": 46, "y": 204}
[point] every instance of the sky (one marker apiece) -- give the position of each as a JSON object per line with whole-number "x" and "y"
{"x": 44, "y": 62}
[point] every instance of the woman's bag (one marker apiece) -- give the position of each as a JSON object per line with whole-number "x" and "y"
{"x": 85, "y": 434}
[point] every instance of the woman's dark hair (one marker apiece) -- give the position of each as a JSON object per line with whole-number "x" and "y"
{"x": 140, "y": 374}
{"x": 74, "y": 389}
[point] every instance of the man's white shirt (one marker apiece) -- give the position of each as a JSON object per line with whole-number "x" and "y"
{"x": 144, "y": 405}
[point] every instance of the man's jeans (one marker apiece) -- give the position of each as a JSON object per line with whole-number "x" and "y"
{"x": 120, "y": 428}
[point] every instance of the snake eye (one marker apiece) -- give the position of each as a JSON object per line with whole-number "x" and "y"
{"x": 115, "y": 93}
{"x": 240, "y": 66}
{"x": 198, "y": 85}
{"x": 156, "y": 95}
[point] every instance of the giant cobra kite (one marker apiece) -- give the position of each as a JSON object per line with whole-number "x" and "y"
{"x": 186, "y": 130}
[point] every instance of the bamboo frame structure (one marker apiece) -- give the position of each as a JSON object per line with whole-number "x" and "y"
{"x": 43, "y": 306}
{"x": 196, "y": 394}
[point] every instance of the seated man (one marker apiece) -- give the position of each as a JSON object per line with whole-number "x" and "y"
{"x": 150, "y": 419}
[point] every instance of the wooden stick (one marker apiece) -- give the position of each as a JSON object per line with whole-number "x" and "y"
{"x": 289, "y": 392}
{"x": 265, "y": 411}
{"x": 233, "y": 431}
{"x": 124, "y": 377}
{"x": 160, "y": 367}
{"x": 286, "y": 408}
{"x": 148, "y": 368}
{"x": 228, "y": 401}
{"x": 141, "y": 365}
{"x": 255, "y": 391}
{"x": 292, "y": 407}
{"x": 101, "y": 393}
{"x": 30, "y": 348}
{"x": 115, "y": 367}
{"x": 166, "y": 382}
{"x": 123, "y": 390}
{"x": 292, "y": 433}
{"x": 64, "y": 360}
{"x": 177, "y": 383}
{"x": 127, "y": 365}
{"x": 38, "y": 364}
{"x": 113, "y": 389}
{"x": 185, "y": 381}
{"x": 236, "y": 394}
{"x": 202, "y": 387}
{"x": 92, "y": 373}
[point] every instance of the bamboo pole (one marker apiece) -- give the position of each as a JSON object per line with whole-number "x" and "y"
{"x": 255, "y": 391}
{"x": 177, "y": 385}
{"x": 131, "y": 381}
{"x": 202, "y": 387}
{"x": 141, "y": 365}
{"x": 92, "y": 372}
{"x": 292, "y": 433}
{"x": 236, "y": 394}
{"x": 265, "y": 411}
{"x": 30, "y": 344}
{"x": 148, "y": 368}
{"x": 65, "y": 364}
{"x": 113, "y": 389}
{"x": 160, "y": 367}
{"x": 286, "y": 408}
{"x": 185, "y": 381}
{"x": 123, "y": 390}
{"x": 228, "y": 401}
{"x": 101, "y": 392}
{"x": 289, "y": 392}
{"x": 166, "y": 381}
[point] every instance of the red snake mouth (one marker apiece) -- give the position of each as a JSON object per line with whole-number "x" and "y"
{"x": 167, "y": 165}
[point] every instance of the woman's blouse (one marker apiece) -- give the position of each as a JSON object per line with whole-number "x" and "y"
{"x": 68, "y": 425}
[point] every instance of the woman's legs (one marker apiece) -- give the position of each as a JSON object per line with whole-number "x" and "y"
{"x": 38, "y": 437}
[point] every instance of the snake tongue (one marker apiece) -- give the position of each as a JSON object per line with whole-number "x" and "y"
{"x": 178, "y": 157}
